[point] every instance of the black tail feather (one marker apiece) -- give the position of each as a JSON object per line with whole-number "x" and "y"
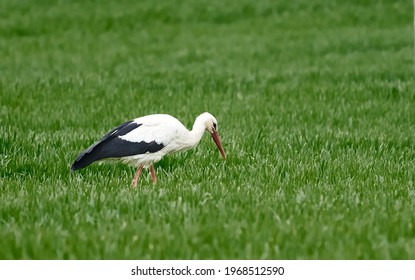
{"x": 86, "y": 158}
{"x": 94, "y": 152}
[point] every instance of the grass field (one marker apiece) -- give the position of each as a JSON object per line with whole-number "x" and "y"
{"x": 315, "y": 104}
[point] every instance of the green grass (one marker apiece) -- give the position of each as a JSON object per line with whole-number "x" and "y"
{"x": 315, "y": 104}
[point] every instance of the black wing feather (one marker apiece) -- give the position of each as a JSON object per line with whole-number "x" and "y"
{"x": 111, "y": 146}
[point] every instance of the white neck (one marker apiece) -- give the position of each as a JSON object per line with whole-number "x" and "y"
{"x": 197, "y": 131}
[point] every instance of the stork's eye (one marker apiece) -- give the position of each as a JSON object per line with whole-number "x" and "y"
{"x": 214, "y": 126}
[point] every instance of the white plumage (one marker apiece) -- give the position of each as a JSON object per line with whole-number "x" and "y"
{"x": 145, "y": 140}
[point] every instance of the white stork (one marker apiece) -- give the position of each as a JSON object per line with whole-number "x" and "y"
{"x": 147, "y": 139}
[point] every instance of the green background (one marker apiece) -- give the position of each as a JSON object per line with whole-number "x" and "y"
{"x": 315, "y": 104}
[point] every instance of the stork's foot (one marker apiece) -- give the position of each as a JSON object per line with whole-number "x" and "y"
{"x": 135, "y": 180}
{"x": 153, "y": 174}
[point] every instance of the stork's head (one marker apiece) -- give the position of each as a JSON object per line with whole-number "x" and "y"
{"x": 212, "y": 127}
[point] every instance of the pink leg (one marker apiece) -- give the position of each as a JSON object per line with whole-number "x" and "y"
{"x": 134, "y": 182}
{"x": 153, "y": 174}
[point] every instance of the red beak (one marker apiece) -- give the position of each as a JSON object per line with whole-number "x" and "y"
{"x": 215, "y": 137}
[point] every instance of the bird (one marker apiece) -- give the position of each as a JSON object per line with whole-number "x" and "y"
{"x": 145, "y": 140}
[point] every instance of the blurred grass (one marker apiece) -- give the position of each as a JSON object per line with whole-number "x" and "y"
{"x": 315, "y": 107}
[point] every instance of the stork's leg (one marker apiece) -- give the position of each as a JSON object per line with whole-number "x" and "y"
{"x": 153, "y": 174}
{"x": 134, "y": 182}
